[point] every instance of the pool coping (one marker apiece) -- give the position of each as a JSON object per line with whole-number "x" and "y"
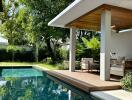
{"x": 113, "y": 95}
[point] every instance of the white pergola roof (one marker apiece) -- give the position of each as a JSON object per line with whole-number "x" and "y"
{"x": 81, "y": 7}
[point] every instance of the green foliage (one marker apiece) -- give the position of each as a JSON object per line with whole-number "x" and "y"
{"x": 12, "y": 22}
{"x": 93, "y": 46}
{"x": 3, "y": 90}
{"x": 64, "y": 54}
{"x": 28, "y": 94}
{"x": 42, "y": 11}
{"x": 48, "y": 60}
{"x": 82, "y": 52}
{"x": 92, "y": 43}
{"x": 25, "y": 22}
{"x": 12, "y": 48}
{"x": 60, "y": 66}
{"x": 19, "y": 54}
{"x": 126, "y": 82}
{"x": 86, "y": 34}
{"x": 65, "y": 65}
{"x": 80, "y": 48}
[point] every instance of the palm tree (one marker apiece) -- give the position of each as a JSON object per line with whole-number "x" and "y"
{"x": 94, "y": 45}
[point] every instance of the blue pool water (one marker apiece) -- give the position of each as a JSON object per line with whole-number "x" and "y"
{"x": 33, "y": 84}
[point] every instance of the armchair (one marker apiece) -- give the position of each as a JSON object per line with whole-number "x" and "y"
{"x": 88, "y": 63}
{"x": 117, "y": 66}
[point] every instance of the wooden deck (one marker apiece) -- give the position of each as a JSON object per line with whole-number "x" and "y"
{"x": 86, "y": 81}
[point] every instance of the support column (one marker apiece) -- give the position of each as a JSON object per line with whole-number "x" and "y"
{"x": 105, "y": 45}
{"x": 72, "y": 59}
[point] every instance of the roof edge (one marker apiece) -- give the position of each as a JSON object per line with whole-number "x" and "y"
{"x": 51, "y": 23}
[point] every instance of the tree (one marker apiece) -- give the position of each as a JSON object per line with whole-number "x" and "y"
{"x": 42, "y": 11}
{"x": 86, "y": 34}
{"x": 94, "y": 45}
{"x": 12, "y": 22}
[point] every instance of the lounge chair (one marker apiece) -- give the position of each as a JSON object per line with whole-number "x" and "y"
{"x": 88, "y": 64}
{"x": 117, "y": 66}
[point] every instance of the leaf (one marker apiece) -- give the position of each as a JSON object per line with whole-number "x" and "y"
{"x": 92, "y": 43}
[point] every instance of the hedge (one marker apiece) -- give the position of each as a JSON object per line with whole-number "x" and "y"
{"x": 20, "y": 54}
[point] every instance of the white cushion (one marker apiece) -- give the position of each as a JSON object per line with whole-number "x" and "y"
{"x": 117, "y": 68}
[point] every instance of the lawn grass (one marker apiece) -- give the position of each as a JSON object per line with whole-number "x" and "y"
{"x": 48, "y": 66}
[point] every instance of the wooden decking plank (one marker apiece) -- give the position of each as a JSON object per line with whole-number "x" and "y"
{"x": 85, "y": 81}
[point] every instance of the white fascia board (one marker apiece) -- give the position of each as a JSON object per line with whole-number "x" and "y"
{"x": 51, "y": 23}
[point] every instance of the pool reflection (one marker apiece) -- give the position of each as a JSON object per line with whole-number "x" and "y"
{"x": 37, "y": 87}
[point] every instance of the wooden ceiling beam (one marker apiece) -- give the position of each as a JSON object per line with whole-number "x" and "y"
{"x": 84, "y": 26}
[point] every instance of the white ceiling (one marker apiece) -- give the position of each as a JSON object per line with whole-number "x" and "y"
{"x": 80, "y": 7}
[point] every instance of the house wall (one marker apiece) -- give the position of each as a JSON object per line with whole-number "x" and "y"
{"x": 121, "y": 44}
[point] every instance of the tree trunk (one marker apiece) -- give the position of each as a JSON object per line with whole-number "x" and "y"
{"x": 36, "y": 52}
{"x": 50, "y": 51}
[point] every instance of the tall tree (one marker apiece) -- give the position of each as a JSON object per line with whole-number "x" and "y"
{"x": 42, "y": 11}
{"x": 11, "y": 25}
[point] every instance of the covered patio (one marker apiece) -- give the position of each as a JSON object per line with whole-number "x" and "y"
{"x": 109, "y": 17}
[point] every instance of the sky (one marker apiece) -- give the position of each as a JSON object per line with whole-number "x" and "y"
{"x": 3, "y": 40}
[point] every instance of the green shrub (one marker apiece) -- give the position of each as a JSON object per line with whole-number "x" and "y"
{"x": 60, "y": 66}
{"x": 65, "y": 65}
{"x": 20, "y": 53}
{"x": 78, "y": 67}
{"x": 47, "y": 60}
{"x": 64, "y": 54}
{"x": 126, "y": 82}
{"x": 43, "y": 53}
{"x": 89, "y": 48}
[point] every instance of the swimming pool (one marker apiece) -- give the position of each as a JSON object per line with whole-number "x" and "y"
{"x": 33, "y": 84}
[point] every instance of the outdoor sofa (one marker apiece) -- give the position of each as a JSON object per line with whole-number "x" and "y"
{"x": 89, "y": 64}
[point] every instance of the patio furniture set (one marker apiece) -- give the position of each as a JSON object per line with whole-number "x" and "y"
{"x": 90, "y": 64}
{"x": 118, "y": 66}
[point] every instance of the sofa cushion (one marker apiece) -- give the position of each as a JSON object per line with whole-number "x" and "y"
{"x": 117, "y": 68}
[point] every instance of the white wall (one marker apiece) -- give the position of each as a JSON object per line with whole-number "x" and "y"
{"x": 121, "y": 44}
